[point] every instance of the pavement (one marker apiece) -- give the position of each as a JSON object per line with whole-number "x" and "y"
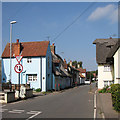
{"x": 104, "y": 107}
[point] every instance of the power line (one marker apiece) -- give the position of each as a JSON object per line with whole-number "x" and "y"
{"x": 18, "y": 11}
{"x": 73, "y": 22}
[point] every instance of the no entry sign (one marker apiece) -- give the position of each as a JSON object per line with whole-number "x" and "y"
{"x": 18, "y": 68}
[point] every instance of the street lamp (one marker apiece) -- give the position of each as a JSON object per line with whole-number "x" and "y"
{"x": 12, "y": 22}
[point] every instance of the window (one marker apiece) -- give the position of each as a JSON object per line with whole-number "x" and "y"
{"x": 107, "y": 83}
{"x": 29, "y": 60}
{"x": 32, "y": 77}
{"x": 107, "y": 68}
{"x": 110, "y": 82}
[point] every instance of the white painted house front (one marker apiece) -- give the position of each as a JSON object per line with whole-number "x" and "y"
{"x": 36, "y": 62}
{"x": 108, "y": 57}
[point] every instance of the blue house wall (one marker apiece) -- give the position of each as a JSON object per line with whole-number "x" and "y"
{"x": 42, "y": 66}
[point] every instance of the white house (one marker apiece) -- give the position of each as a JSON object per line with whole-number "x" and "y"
{"x": 108, "y": 57}
{"x": 82, "y": 74}
{"x": 36, "y": 62}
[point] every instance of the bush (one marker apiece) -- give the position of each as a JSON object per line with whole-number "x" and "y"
{"x": 38, "y": 90}
{"x": 115, "y": 91}
{"x": 105, "y": 90}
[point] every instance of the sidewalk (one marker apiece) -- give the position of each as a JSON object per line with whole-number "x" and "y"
{"x": 104, "y": 106}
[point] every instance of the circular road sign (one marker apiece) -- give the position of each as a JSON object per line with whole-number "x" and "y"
{"x": 18, "y": 68}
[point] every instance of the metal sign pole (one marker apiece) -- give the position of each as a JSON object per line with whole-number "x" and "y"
{"x": 19, "y": 83}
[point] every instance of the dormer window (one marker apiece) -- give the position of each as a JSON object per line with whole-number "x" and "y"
{"x": 29, "y": 60}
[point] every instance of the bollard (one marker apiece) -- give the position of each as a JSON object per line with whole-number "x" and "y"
{"x": 58, "y": 87}
{"x": 55, "y": 87}
{"x": 76, "y": 84}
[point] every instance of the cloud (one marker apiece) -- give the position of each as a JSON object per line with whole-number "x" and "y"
{"x": 114, "y": 16}
{"x": 108, "y": 12}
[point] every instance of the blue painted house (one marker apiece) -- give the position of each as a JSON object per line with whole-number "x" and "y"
{"x": 61, "y": 78}
{"x": 36, "y": 62}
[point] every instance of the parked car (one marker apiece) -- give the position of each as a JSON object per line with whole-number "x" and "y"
{"x": 87, "y": 82}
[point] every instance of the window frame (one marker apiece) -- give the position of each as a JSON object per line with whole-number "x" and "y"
{"x": 107, "y": 68}
{"x": 33, "y": 77}
{"x": 29, "y": 60}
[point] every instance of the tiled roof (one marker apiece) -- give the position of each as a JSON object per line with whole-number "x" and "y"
{"x": 82, "y": 70}
{"x": 27, "y": 49}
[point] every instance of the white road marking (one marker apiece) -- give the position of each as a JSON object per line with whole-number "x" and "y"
{"x": 103, "y": 116}
{"x": 94, "y": 114}
{"x": 2, "y": 110}
{"x": 16, "y": 102}
{"x": 16, "y": 111}
{"x": 33, "y": 112}
{"x": 2, "y": 106}
{"x": 95, "y": 101}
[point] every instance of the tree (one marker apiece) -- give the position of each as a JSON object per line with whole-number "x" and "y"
{"x": 80, "y": 63}
{"x": 74, "y": 63}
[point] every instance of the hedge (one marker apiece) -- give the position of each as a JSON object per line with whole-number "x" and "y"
{"x": 115, "y": 92}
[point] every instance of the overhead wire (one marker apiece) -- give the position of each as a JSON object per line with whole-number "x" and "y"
{"x": 67, "y": 27}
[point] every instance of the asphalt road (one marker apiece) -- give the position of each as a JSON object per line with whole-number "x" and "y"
{"x": 72, "y": 103}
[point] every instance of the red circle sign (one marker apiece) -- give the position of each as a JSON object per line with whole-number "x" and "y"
{"x": 18, "y": 68}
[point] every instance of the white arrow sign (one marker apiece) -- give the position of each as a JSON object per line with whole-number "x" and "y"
{"x": 18, "y": 68}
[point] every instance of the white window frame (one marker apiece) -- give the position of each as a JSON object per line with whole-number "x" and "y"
{"x": 107, "y": 68}
{"x": 108, "y": 82}
{"x": 32, "y": 77}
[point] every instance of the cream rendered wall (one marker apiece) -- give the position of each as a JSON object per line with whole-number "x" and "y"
{"x": 117, "y": 67}
{"x": 104, "y": 76}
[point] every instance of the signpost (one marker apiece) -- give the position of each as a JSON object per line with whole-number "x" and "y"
{"x": 18, "y": 69}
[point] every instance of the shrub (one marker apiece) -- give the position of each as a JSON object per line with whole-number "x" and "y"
{"x": 105, "y": 90}
{"x": 38, "y": 90}
{"x": 115, "y": 91}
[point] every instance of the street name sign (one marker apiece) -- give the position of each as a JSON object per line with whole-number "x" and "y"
{"x": 18, "y": 68}
{"x": 19, "y": 58}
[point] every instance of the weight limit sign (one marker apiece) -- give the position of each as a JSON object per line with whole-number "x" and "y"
{"x": 18, "y": 68}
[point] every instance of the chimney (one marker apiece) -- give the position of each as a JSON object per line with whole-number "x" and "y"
{"x": 110, "y": 37}
{"x": 64, "y": 61}
{"x": 78, "y": 66}
{"x": 52, "y": 47}
{"x": 17, "y": 40}
{"x": 70, "y": 63}
{"x": 17, "y": 48}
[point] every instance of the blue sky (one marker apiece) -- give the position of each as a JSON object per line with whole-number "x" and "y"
{"x": 38, "y": 20}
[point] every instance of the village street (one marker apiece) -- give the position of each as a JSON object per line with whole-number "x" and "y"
{"x": 72, "y": 103}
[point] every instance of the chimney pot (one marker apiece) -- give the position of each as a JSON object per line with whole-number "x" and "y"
{"x": 17, "y": 40}
{"x": 110, "y": 37}
{"x": 70, "y": 62}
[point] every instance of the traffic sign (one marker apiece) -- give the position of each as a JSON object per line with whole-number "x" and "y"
{"x": 18, "y": 68}
{"x": 19, "y": 58}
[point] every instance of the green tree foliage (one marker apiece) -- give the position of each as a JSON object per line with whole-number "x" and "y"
{"x": 115, "y": 91}
{"x": 90, "y": 75}
{"x": 80, "y": 63}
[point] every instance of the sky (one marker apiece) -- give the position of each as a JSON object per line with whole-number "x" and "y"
{"x": 72, "y": 26}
